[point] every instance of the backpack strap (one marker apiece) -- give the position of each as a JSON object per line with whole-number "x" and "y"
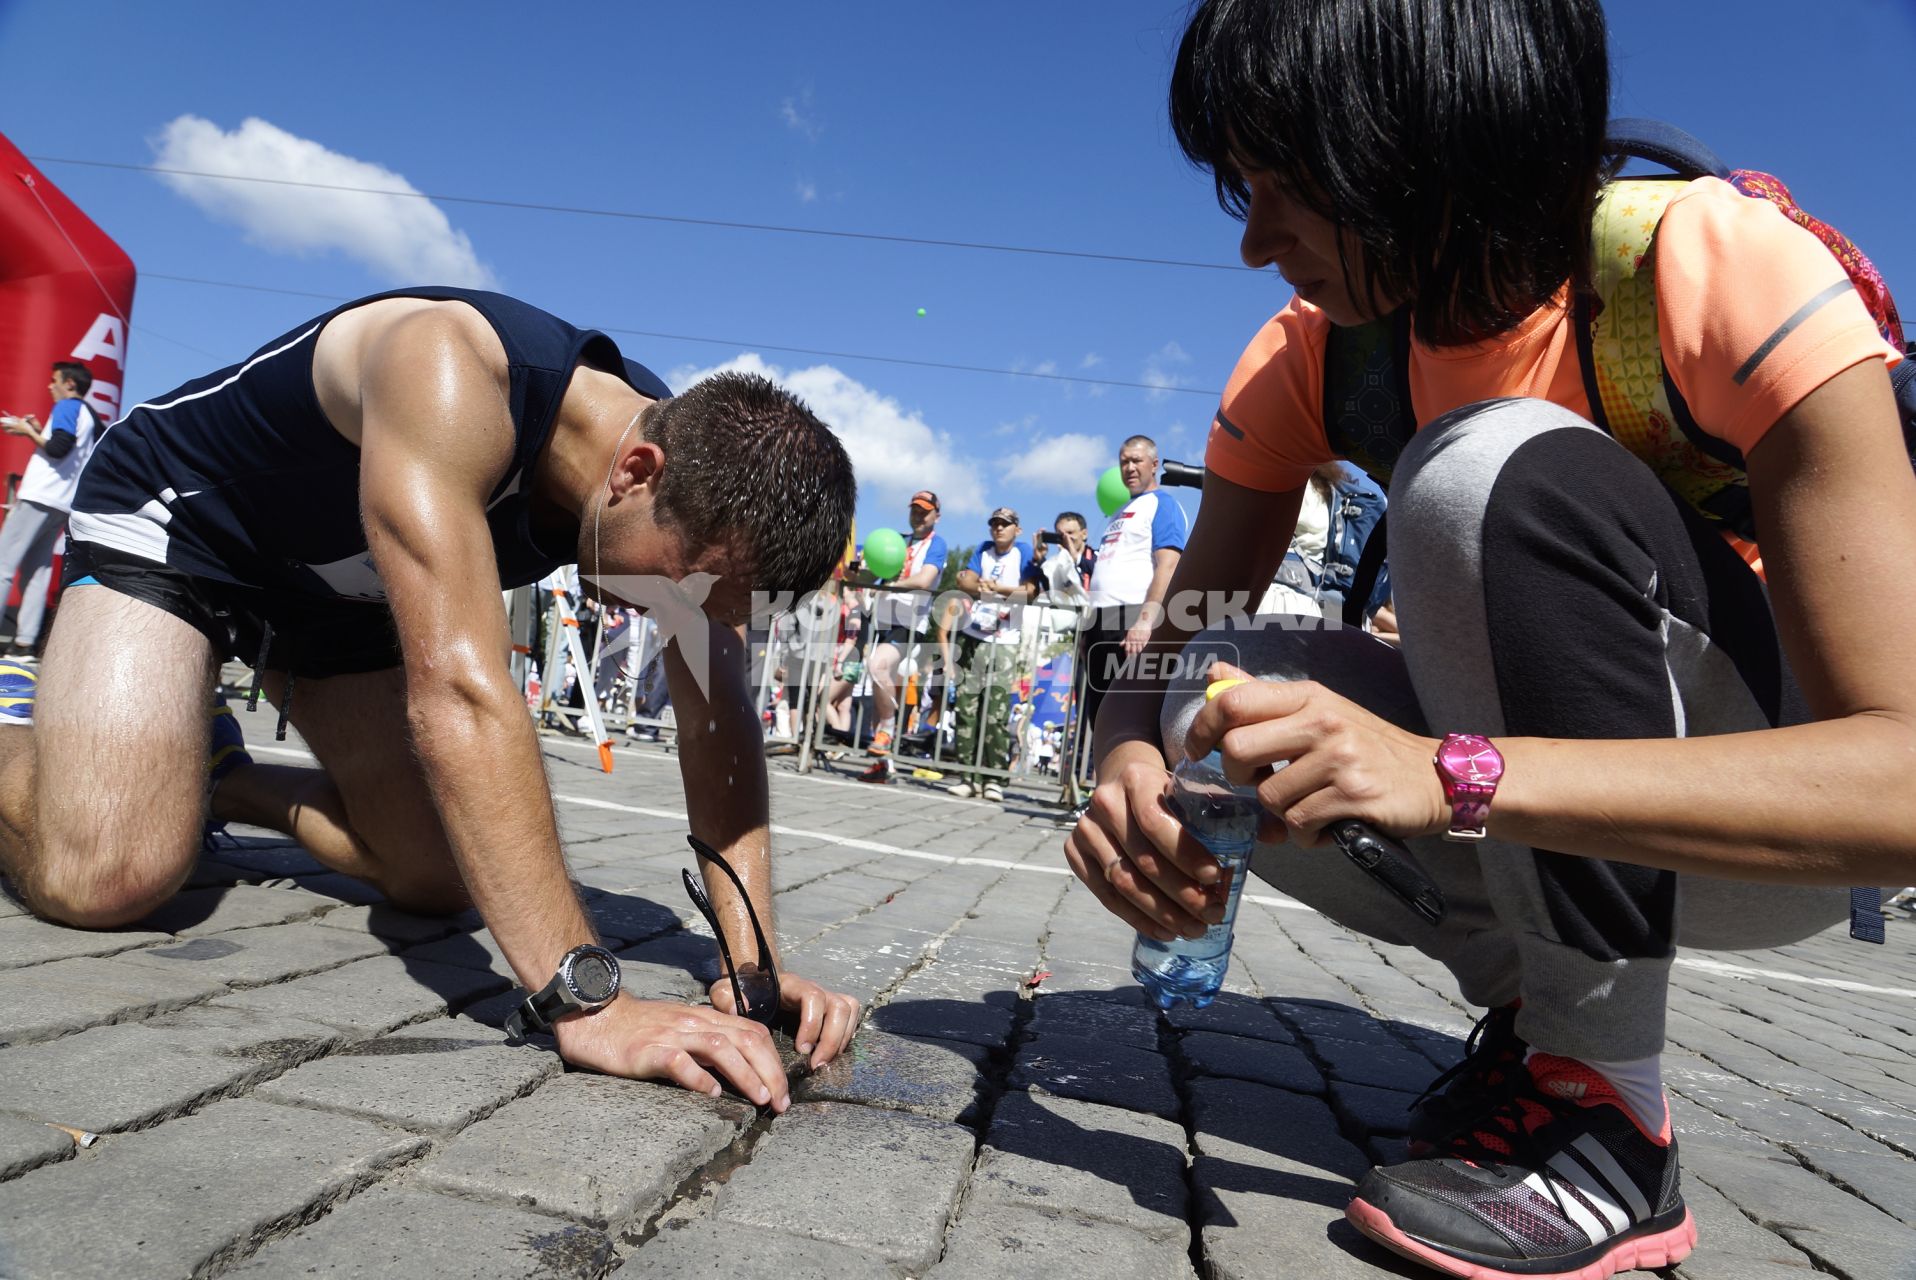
{"x": 1630, "y": 392}
{"x": 1368, "y": 417}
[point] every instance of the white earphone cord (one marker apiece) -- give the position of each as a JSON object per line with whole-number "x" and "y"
{"x": 606, "y": 496}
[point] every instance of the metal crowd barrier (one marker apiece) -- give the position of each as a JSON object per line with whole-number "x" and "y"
{"x": 802, "y": 666}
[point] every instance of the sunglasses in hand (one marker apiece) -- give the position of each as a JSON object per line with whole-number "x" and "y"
{"x": 755, "y": 993}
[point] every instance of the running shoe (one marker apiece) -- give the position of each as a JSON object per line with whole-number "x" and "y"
{"x": 1559, "y": 1181}
{"x": 880, "y": 743}
{"x": 1461, "y": 1096}
{"x": 994, "y": 792}
{"x": 880, "y": 772}
{"x": 18, "y": 686}
{"x": 228, "y": 750}
{"x": 963, "y": 790}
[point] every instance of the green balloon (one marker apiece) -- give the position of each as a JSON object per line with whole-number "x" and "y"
{"x": 1112, "y": 495}
{"x": 921, "y": 311}
{"x": 884, "y": 553}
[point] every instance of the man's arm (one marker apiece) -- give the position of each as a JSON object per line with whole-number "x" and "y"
{"x": 720, "y": 737}
{"x": 435, "y": 436}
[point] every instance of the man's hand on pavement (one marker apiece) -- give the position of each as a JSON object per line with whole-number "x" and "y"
{"x": 662, "y": 1040}
{"x": 827, "y": 1020}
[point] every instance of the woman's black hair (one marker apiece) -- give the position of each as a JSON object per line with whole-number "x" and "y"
{"x": 1461, "y": 141}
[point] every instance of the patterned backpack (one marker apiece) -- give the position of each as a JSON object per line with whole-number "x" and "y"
{"x": 1367, "y": 411}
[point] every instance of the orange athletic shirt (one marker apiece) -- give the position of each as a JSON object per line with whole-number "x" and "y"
{"x": 1732, "y": 276}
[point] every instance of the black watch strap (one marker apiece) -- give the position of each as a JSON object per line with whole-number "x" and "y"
{"x": 563, "y": 995}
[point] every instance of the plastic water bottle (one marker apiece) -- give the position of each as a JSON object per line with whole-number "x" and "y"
{"x": 1223, "y": 816}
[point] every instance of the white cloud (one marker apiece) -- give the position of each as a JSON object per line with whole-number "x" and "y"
{"x": 1158, "y": 370}
{"x": 399, "y": 237}
{"x": 799, "y": 116}
{"x": 807, "y": 191}
{"x": 1091, "y": 360}
{"x": 895, "y": 452}
{"x": 1066, "y": 462}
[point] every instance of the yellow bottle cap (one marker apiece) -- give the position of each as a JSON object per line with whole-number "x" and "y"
{"x": 1216, "y": 687}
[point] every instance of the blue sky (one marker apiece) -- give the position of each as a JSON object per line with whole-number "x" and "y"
{"x": 1028, "y": 124}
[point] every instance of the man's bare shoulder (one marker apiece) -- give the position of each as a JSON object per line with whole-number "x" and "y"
{"x": 438, "y": 347}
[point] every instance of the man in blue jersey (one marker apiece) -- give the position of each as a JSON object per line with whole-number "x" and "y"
{"x": 342, "y": 510}
{"x": 40, "y": 506}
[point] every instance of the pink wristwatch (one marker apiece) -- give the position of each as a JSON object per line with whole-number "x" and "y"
{"x": 1469, "y": 767}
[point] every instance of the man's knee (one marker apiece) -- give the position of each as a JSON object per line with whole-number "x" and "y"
{"x": 95, "y": 889}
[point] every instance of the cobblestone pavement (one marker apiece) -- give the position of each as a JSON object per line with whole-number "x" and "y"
{"x": 291, "y": 1079}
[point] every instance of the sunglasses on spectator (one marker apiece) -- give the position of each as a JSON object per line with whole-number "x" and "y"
{"x": 755, "y": 993}
{"x": 1002, "y": 524}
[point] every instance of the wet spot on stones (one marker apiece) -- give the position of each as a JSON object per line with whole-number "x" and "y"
{"x": 569, "y": 1252}
{"x": 199, "y": 949}
{"x": 410, "y": 1044}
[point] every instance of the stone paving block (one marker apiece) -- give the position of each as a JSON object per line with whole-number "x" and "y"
{"x": 184, "y": 1196}
{"x": 10, "y": 904}
{"x": 394, "y": 1231}
{"x": 920, "y": 1008}
{"x": 1282, "y": 1066}
{"x": 436, "y": 1076}
{"x": 1091, "y": 1019}
{"x": 694, "y": 955}
{"x": 1729, "y": 1245}
{"x": 252, "y": 957}
{"x": 198, "y": 912}
{"x": 589, "y": 1147}
{"x": 269, "y": 857}
{"x": 624, "y": 918}
{"x": 1383, "y": 1066}
{"x": 1272, "y": 1177}
{"x": 47, "y": 1000}
{"x": 1233, "y": 1015}
{"x": 892, "y": 1199}
{"x": 27, "y": 1144}
{"x": 646, "y": 981}
{"x": 397, "y": 928}
{"x": 131, "y": 1073}
{"x": 1007, "y": 1242}
{"x": 370, "y": 996}
{"x": 1384, "y": 1112}
{"x": 1333, "y": 1018}
{"x": 939, "y": 1079}
{"x": 26, "y": 940}
{"x": 1077, "y": 1157}
{"x": 1114, "y": 1075}
{"x": 1887, "y": 1181}
{"x": 707, "y": 1250}
{"x": 343, "y": 888}
{"x": 476, "y": 950}
{"x": 1842, "y": 1233}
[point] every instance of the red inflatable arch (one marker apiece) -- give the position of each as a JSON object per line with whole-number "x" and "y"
{"x": 66, "y": 292}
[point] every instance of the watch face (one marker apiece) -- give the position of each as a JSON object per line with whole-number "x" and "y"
{"x": 1466, "y": 757}
{"x": 594, "y": 978}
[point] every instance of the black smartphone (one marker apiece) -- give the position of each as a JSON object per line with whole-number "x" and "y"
{"x": 1391, "y": 865}
{"x": 1054, "y": 538}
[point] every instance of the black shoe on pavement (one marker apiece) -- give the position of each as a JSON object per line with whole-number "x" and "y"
{"x": 880, "y": 772}
{"x": 1458, "y": 1098}
{"x": 1558, "y": 1181}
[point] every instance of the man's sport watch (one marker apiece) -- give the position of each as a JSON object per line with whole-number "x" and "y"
{"x": 588, "y": 978}
{"x": 1469, "y": 768}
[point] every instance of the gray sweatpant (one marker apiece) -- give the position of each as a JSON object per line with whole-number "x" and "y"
{"x": 1546, "y": 584}
{"x": 26, "y": 548}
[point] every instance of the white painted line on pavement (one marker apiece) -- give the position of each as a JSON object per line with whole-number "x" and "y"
{"x": 1780, "y": 975}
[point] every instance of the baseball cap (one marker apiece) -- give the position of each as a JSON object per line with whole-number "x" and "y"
{"x": 926, "y": 498}
{"x": 1003, "y": 513}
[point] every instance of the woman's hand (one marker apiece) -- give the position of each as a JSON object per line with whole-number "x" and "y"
{"x": 1137, "y": 858}
{"x": 1344, "y": 762}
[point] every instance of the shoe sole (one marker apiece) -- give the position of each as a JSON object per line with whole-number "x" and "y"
{"x": 1646, "y": 1252}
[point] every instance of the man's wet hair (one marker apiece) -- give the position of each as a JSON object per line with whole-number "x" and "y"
{"x": 1461, "y": 141}
{"x": 73, "y": 371}
{"x": 747, "y": 463}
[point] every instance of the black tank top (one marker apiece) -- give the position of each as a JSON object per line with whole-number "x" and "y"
{"x": 239, "y": 476}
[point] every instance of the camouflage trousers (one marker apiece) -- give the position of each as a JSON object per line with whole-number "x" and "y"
{"x": 983, "y": 704}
